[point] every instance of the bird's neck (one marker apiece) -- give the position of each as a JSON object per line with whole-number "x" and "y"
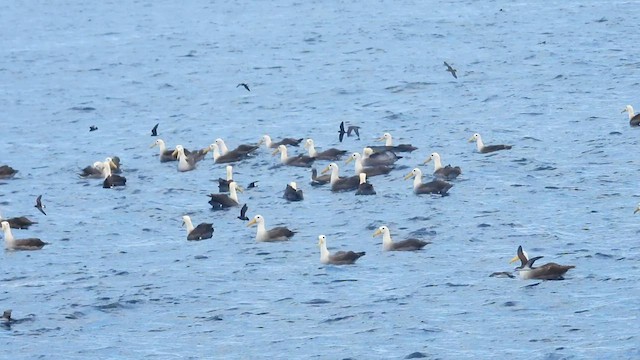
{"x": 223, "y": 148}
{"x": 631, "y": 112}
{"x": 312, "y": 151}
{"x": 233, "y": 194}
{"x": 389, "y": 141}
{"x": 283, "y": 156}
{"x": 417, "y": 181}
{"x": 334, "y": 176}
{"x": 437, "y": 164}
{"x": 106, "y": 170}
{"x": 216, "y": 153}
{"x": 162, "y": 147}
{"x": 324, "y": 254}
{"x": 358, "y": 165}
{"x": 386, "y": 240}
{"x": 189, "y": 225}
{"x": 8, "y": 236}
{"x": 261, "y": 232}
{"x": 229, "y": 173}
{"x": 479, "y": 143}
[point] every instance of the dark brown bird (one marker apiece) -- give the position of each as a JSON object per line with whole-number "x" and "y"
{"x": 10, "y": 243}
{"x": 244, "y": 85}
{"x": 7, "y": 172}
{"x": 93, "y": 128}
{"x": 243, "y": 213}
{"x": 21, "y": 222}
{"x": 200, "y": 232}
{"x": 338, "y": 258}
{"x": 548, "y": 271}
{"x": 451, "y": 70}
{"x": 292, "y": 193}
{"x": 39, "y": 205}
{"x": 154, "y": 131}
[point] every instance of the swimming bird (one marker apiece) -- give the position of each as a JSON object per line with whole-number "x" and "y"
{"x": 364, "y": 188}
{"x": 244, "y": 85}
{"x": 340, "y": 257}
{"x": 451, "y": 70}
{"x": 21, "y": 222}
{"x": 185, "y": 163}
{"x": 484, "y": 149}
{"x": 115, "y": 165}
{"x": 222, "y": 201}
{"x": 443, "y": 172}
{"x": 404, "y": 245}
{"x": 329, "y": 154}
{"x": 165, "y": 154}
{"x": 6, "y": 318}
{"x": 243, "y": 213}
{"x": 266, "y": 139}
{"x": 292, "y": 193}
{"x": 279, "y": 233}
{"x": 39, "y": 205}
{"x": 319, "y": 180}
{"x": 634, "y": 119}
{"x": 92, "y": 171}
{"x": 93, "y": 128}
{"x": 338, "y": 183}
{"x": 229, "y": 157}
{"x": 432, "y": 187}
{"x": 388, "y": 139}
{"x": 372, "y": 158}
{"x": 350, "y": 129}
{"x": 7, "y": 172}
{"x": 10, "y": 243}
{"x": 223, "y": 184}
{"x": 200, "y": 232}
{"x": 300, "y": 160}
{"x": 369, "y": 170}
{"x": 154, "y": 130}
{"x": 548, "y": 271}
{"x": 252, "y": 185}
{"x": 243, "y": 149}
{"x": 111, "y": 180}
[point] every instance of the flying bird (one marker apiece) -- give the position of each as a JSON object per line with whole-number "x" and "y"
{"x": 243, "y": 213}
{"x": 154, "y": 131}
{"x": 451, "y": 70}
{"x": 244, "y": 85}
{"x": 93, "y": 128}
{"x": 350, "y": 129}
{"x": 39, "y": 204}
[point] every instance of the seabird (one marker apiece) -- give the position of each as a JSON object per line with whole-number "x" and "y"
{"x": 637, "y": 209}
{"x": 404, "y": 245}
{"x": 266, "y": 139}
{"x": 634, "y": 119}
{"x": 200, "y": 232}
{"x": 482, "y": 148}
{"x": 369, "y": 170}
{"x": 185, "y": 163}
{"x": 229, "y": 157}
{"x": 10, "y": 243}
{"x": 21, "y": 222}
{"x": 432, "y": 187}
{"x": 329, "y": 154}
{"x": 372, "y": 158}
{"x": 350, "y": 129}
{"x": 115, "y": 165}
{"x": 364, "y": 188}
{"x": 292, "y": 193}
{"x": 223, "y": 184}
{"x": 548, "y": 271}
{"x": 93, "y": 128}
{"x": 6, "y": 318}
{"x": 243, "y": 213}
{"x": 451, "y": 70}
{"x": 93, "y": 171}
{"x": 244, "y": 85}
{"x": 221, "y": 201}
{"x": 154, "y": 130}
{"x": 165, "y": 154}
{"x": 340, "y": 257}
{"x": 7, "y": 172}
{"x": 386, "y": 137}
{"x": 39, "y": 205}
{"x": 338, "y": 183}
{"x": 300, "y": 160}
{"x": 252, "y": 185}
{"x": 319, "y": 180}
{"x": 111, "y": 180}
{"x": 443, "y": 172}
{"x": 241, "y": 149}
{"x": 279, "y": 233}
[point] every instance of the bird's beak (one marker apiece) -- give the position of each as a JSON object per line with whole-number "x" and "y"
{"x": 253, "y": 221}
{"x": 175, "y": 152}
{"x": 381, "y": 139}
{"x": 325, "y": 170}
{"x": 377, "y": 232}
{"x": 260, "y": 142}
{"x": 152, "y": 145}
{"x": 623, "y": 110}
{"x": 275, "y": 151}
{"x": 113, "y": 165}
{"x": 471, "y": 139}
{"x": 427, "y": 161}
{"x": 636, "y": 210}
{"x": 408, "y": 176}
{"x": 350, "y": 159}
{"x": 182, "y": 223}
{"x": 207, "y": 149}
{"x": 515, "y": 258}
{"x": 239, "y": 188}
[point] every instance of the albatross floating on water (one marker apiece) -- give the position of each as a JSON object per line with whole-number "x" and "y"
{"x": 634, "y": 119}
{"x": 329, "y": 154}
{"x": 340, "y": 257}
{"x": 92, "y": 171}
{"x": 222, "y": 201}
{"x": 404, "y": 245}
{"x": 21, "y": 222}
{"x": 185, "y": 162}
{"x": 388, "y": 139}
{"x": 111, "y": 180}
{"x": 229, "y": 157}
{"x": 266, "y": 139}
{"x": 372, "y": 158}
{"x": 319, "y": 180}
{"x": 292, "y": 193}
{"x": 300, "y": 160}
{"x": 369, "y": 170}
{"x": 279, "y": 233}
{"x": 443, "y": 172}
{"x": 10, "y": 243}
{"x": 165, "y": 154}
{"x": 241, "y": 150}
{"x": 7, "y": 172}
{"x": 200, "y": 232}
{"x": 432, "y": 187}
{"x": 364, "y": 188}
{"x": 548, "y": 271}
{"x": 338, "y": 183}
{"x": 223, "y": 184}
{"x": 484, "y": 149}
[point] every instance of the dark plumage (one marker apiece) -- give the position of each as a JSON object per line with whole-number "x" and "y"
{"x": 451, "y": 70}
{"x": 39, "y": 205}
{"x": 292, "y": 193}
{"x": 329, "y": 154}
{"x": 93, "y": 128}
{"x": 92, "y": 171}
{"x": 432, "y": 187}
{"x": 266, "y": 139}
{"x": 548, "y": 271}
{"x": 338, "y": 183}
{"x": 634, "y": 119}
{"x": 484, "y": 149}
{"x": 223, "y": 201}
{"x": 20, "y": 244}
{"x": 244, "y": 85}
{"x": 299, "y": 161}
{"x": 229, "y": 157}
{"x": 372, "y": 158}
{"x": 200, "y": 232}
{"x": 7, "y": 172}
{"x": 154, "y": 130}
{"x": 243, "y": 213}
{"x": 252, "y": 184}
{"x": 369, "y": 170}
{"x": 319, "y": 180}
{"x": 445, "y": 173}
{"x": 338, "y": 258}
{"x": 364, "y": 188}
{"x": 21, "y": 222}
{"x": 114, "y": 180}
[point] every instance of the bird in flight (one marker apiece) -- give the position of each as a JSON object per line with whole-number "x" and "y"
{"x": 350, "y": 129}
{"x": 244, "y": 85}
{"x": 93, "y": 128}
{"x": 243, "y": 213}
{"x": 451, "y": 70}
{"x": 39, "y": 204}
{"x": 154, "y": 131}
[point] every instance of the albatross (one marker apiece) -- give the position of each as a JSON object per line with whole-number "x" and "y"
{"x": 319, "y": 180}
{"x": 548, "y": 271}
{"x": 111, "y": 180}
{"x": 222, "y": 201}
{"x": 21, "y": 222}
{"x": 634, "y": 119}
{"x": 92, "y": 171}
{"x": 7, "y": 172}
{"x": 240, "y": 150}
{"x": 292, "y": 193}
{"x": 388, "y": 139}
{"x": 372, "y": 158}
{"x": 10, "y": 243}
{"x": 432, "y": 187}
{"x": 329, "y": 154}
{"x": 369, "y": 170}
{"x": 443, "y": 172}
{"x": 223, "y": 184}
{"x": 340, "y": 257}
{"x": 364, "y": 188}
{"x": 404, "y": 245}
{"x": 484, "y": 149}
{"x": 165, "y": 154}
{"x": 279, "y": 233}
{"x": 229, "y": 157}
{"x": 300, "y": 160}
{"x": 266, "y": 139}
{"x": 200, "y": 232}
{"x": 185, "y": 162}
{"x": 338, "y": 183}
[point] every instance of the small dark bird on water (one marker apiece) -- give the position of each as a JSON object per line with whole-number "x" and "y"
{"x": 243, "y": 213}
{"x": 451, "y": 70}
{"x": 244, "y": 85}
{"x": 154, "y": 131}
{"x": 93, "y": 128}
{"x": 253, "y": 184}
{"x": 39, "y": 204}
{"x": 350, "y": 129}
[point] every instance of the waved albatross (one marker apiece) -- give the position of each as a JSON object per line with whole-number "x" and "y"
{"x": 7, "y": 172}
{"x": 443, "y": 172}
{"x": 200, "y": 232}
{"x": 432, "y": 187}
{"x": 341, "y": 183}
{"x": 404, "y": 245}
{"x": 548, "y": 271}
{"x": 329, "y": 154}
{"x": 388, "y": 139}
{"x": 222, "y": 201}
{"x": 111, "y": 180}
{"x": 484, "y": 149}
{"x": 300, "y": 160}
{"x": 223, "y": 184}
{"x": 266, "y": 139}
{"x": 292, "y": 193}
{"x": 369, "y": 170}
{"x": 10, "y": 243}
{"x": 371, "y": 158}
{"x": 21, "y": 222}
{"x": 338, "y": 258}
{"x": 279, "y": 233}
{"x": 634, "y": 119}
{"x": 243, "y": 149}
{"x": 319, "y": 180}
{"x": 364, "y": 188}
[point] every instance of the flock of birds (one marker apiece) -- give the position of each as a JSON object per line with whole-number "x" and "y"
{"x": 373, "y": 161}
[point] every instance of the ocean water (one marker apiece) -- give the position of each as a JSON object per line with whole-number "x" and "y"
{"x": 118, "y": 279}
